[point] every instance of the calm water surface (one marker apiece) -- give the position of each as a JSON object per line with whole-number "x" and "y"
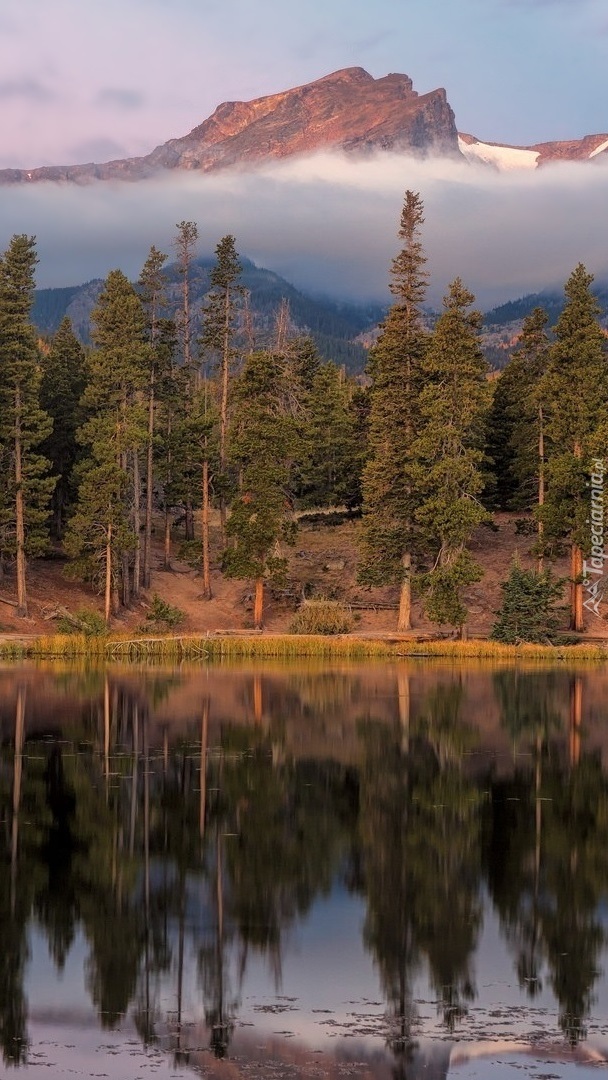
{"x": 379, "y": 871}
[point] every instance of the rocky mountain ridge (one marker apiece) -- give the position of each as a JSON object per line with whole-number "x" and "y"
{"x": 336, "y": 327}
{"x": 348, "y": 111}
{"x": 506, "y": 158}
{"x": 343, "y": 332}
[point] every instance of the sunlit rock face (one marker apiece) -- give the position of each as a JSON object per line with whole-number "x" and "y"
{"x": 348, "y": 110}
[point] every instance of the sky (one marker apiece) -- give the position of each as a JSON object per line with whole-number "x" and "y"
{"x": 90, "y": 82}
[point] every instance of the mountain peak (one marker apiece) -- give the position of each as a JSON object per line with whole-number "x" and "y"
{"x": 348, "y": 110}
{"x": 345, "y": 75}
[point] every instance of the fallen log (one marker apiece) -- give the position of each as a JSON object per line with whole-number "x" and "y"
{"x": 63, "y": 613}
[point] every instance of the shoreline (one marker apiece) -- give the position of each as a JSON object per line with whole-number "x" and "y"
{"x": 265, "y": 645}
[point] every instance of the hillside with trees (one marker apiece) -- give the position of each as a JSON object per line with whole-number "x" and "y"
{"x": 334, "y": 326}
{"x": 188, "y": 443}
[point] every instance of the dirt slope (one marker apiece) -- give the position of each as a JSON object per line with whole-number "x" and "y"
{"x": 323, "y": 562}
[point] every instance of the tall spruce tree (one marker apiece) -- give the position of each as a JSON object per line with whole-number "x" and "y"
{"x": 575, "y": 389}
{"x": 61, "y": 390}
{"x": 104, "y": 529}
{"x": 530, "y": 361}
{"x": 449, "y": 455}
{"x": 516, "y": 420}
{"x": 27, "y": 487}
{"x": 219, "y": 339}
{"x": 330, "y": 475}
{"x": 152, "y": 292}
{"x": 389, "y": 540}
{"x": 264, "y": 444}
{"x": 185, "y": 246}
{"x": 501, "y": 485}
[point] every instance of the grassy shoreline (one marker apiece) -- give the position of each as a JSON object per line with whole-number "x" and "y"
{"x": 285, "y": 646}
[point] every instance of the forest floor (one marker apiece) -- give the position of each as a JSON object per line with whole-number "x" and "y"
{"x": 323, "y": 562}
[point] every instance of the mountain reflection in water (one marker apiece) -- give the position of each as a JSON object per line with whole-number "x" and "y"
{"x": 398, "y": 867}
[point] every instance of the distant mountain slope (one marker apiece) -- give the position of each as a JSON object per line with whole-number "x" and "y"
{"x": 337, "y": 328}
{"x": 502, "y": 325}
{"x": 50, "y": 306}
{"x": 506, "y": 158}
{"x": 551, "y": 300}
{"x": 332, "y": 324}
{"x": 348, "y": 111}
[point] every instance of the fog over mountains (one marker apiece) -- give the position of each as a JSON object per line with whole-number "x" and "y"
{"x": 311, "y": 184}
{"x": 342, "y": 332}
{"x": 335, "y": 327}
{"x": 348, "y": 111}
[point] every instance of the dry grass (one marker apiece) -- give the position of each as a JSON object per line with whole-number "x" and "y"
{"x": 287, "y": 646}
{"x": 322, "y": 617}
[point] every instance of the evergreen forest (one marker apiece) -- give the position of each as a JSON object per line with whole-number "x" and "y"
{"x": 179, "y": 416}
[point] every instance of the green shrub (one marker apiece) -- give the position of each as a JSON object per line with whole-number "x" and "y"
{"x": 85, "y": 621}
{"x": 527, "y": 612}
{"x": 163, "y": 615}
{"x": 322, "y": 617}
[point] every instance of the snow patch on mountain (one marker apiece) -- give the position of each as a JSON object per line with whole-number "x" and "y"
{"x": 505, "y": 158}
{"x": 599, "y": 149}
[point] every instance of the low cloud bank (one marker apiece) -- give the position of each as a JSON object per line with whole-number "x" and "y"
{"x": 329, "y": 223}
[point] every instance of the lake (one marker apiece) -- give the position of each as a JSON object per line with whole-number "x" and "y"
{"x": 380, "y": 870}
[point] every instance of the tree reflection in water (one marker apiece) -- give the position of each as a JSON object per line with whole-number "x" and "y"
{"x": 546, "y": 863}
{"x": 420, "y": 825}
{"x": 16, "y": 898}
{"x": 214, "y": 842}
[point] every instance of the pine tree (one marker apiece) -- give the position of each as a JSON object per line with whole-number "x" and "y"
{"x": 517, "y": 424}
{"x": 515, "y": 420}
{"x": 219, "y": 339}
{"x": 264, "y": 445}
{"x": 104, "y": 528}
{"x": 575, "y": 389}
{"x": 530, "y": 362}
{"x": 185, "y": 245}
{"x": 389, "y": 497}
{"x": 24, "y": 425}
{"x": 61, "y": 390}
{"x": 304, "y": 360}
{"x": 449, "y": 455}
{"x": 329, "y": 475}
{"x": 501, "y": 484}
{"x": 152, "y": 293}
{"x": 527, "y": 612}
